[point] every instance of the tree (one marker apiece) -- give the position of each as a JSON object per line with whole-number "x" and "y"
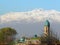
{"x": 35, "y": 35}
{"x": 7, "y": 34}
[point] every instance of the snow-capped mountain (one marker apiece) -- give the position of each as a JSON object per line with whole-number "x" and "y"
{"x": 31, "y": 22}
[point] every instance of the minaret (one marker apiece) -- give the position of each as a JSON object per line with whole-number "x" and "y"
{"x": 47, "y": 28}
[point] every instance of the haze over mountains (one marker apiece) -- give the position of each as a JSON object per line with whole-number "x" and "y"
{"x": 31, "y": 22}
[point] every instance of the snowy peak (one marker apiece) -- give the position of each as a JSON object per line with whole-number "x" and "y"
{"x": 36, "y": 15}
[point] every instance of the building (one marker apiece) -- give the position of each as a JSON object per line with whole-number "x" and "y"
{"x": 47, "y": 28}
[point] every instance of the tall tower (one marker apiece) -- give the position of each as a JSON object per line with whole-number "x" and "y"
{"x": 47, "y": 28}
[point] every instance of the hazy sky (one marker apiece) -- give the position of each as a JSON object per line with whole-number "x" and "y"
{"x": 25, "y": 5}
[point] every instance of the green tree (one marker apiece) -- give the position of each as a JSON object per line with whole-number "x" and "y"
{"x": 35, "y": 35}
{"x": 7, "y": 34}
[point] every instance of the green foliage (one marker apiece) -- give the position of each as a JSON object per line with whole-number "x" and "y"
{"x": 12, "y": 43}
{"x": 7, "y": 33}
{"x": 1, "y": 37}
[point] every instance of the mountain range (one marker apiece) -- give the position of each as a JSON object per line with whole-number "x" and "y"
{"x": 31, "y": 22}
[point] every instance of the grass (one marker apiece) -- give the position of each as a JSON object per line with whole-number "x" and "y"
{"x": 35, "y": 38}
